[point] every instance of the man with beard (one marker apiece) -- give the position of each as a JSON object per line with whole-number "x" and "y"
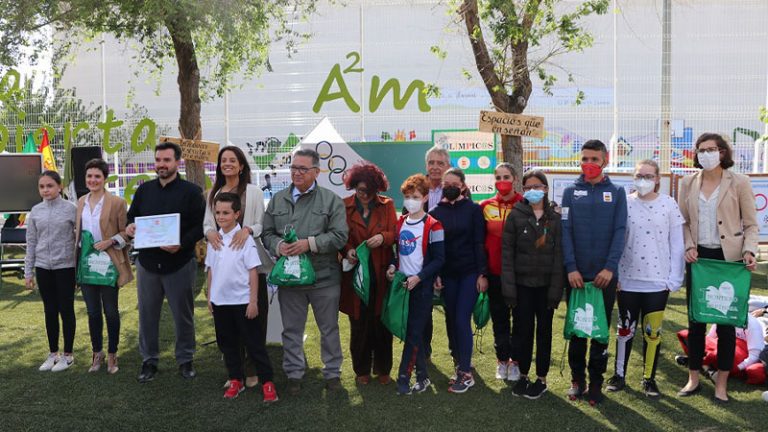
{"x": 167, "y": 271}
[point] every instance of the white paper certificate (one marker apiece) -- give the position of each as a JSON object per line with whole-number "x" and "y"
{"x": 156, "y": 231}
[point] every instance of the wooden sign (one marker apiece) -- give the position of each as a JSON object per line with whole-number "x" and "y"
{"x": 511, "y": 124}
{"x": 195, "y": 150}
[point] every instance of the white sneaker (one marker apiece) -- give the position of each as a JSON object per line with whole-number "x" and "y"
{"x": 48, "y": 364}
{"x": 765, "y": 396}
{"x": 501, "y": 370}
{"x": 64, "y": 363}
{"x": 513, "y": 371}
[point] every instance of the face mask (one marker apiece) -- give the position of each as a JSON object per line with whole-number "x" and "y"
{"x": 534, "y": 196}
{"x": 709, "y": 161}
{"x": 504, "y": 187}
{"x": 644, "y": 187}
{"x": 451, "y": 193}
{"x": 591, "y": 170}
{"x": 412, "y": 205}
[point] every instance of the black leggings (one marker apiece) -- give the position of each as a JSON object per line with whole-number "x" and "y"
{"x": 647, "y": 310}
{"x": 57, "y": 289}
{"x": 726, "y": 335}
{"x": 532, "y": 312}
{"x": 500, "y": 315}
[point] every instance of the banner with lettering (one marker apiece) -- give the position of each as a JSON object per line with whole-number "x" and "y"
{"x": 475, "y": 153}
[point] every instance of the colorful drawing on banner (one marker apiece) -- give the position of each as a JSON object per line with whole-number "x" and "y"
{"x": 336, "y": 156}
{"x": 760, "y": 189}
{"x": 475, "y": 153}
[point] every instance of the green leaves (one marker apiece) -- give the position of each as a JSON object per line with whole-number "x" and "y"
{"x": 516, "y": 28}
{"x": 229, "y": 37}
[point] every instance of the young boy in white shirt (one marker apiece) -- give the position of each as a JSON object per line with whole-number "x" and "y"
{"x": 233, "y": 287}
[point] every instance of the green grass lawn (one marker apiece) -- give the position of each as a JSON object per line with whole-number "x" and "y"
{"x": 75, "y": 400}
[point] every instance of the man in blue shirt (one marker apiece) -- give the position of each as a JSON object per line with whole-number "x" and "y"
{"x": 594, "y": 215}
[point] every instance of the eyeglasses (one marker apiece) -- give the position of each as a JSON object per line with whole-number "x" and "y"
{"x": 645, "y": 176}
{"x": 534, "y": 187}
{"x": 709, "y": 150}
{"x": 301, "y": 170}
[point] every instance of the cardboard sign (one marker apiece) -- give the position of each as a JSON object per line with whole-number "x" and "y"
{"x": 511, "y": 124}
{"x": 195, "y": 150}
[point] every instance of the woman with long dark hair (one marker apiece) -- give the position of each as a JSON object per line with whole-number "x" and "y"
{"x": 496, "y": 210}
{"x": 233, "y": 174}
{"x": 51, "y": 261}
{"x": 532, "y": 279}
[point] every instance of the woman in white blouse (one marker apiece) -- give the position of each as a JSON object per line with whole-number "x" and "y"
{"x": 650, "y": 267}
{"x": 233, "y": 174}
{"x": 104, "y": 216}
{"x": 720, "y": 223}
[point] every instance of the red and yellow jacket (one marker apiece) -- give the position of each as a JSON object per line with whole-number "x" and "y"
{"x": 495, "y": 211}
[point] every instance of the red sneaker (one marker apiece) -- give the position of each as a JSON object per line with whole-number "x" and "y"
{"x": 235, "y": 388}
{"x": 270, "y": 394}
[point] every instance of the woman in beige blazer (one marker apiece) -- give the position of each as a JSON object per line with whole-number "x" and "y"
{"x": 104, "y": 216}
{"x": 233, "y": 174}
{"x": 720, "y": 223}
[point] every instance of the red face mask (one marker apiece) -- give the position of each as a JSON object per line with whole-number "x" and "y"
{"x": 591, "y": 170}
{"x": 504, "y": 187}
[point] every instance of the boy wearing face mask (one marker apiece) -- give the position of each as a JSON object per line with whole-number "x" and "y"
{"x": 651, "y": 266}
{"x": 495, "y": 211}
{"x": 594, "y": 215}
{"x": 420, "y": 256}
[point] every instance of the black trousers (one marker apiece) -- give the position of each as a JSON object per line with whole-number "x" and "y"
{"x": 98, "y": 298}
{"x": 532, "y": 312}
{"x": 232, "y": 329}
{"x": 598, "y": 352}
{"x": 370, "y": 343}
{"x": 57, "y": 289}
{"x": 726, "y": 335}
{"x": 250, "y": 366}
{"x": 645, "y": 309}
{"x": 500, "y": 318}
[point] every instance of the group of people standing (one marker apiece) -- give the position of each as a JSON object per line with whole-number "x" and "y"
{"x": 521, "y": 248}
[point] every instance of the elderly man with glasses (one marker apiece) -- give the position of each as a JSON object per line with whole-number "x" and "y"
{"x": 317, "y": 214}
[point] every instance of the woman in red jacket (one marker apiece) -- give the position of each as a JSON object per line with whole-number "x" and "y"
{"x": 371, "y": 219}
{"x": 495, "y": 211}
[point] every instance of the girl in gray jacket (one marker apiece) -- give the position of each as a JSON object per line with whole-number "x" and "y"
{"x": 51, "y": 260}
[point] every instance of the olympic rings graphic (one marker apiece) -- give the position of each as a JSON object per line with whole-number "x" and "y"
{"x": 336, "y": 165}
{"x": 758, "y": 205}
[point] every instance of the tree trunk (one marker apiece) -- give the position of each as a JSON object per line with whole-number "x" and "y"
{"x": 512, "y": 149}
{"x": 189, "y": 90}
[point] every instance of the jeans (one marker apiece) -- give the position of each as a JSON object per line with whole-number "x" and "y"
{"x": 98, "y": 297}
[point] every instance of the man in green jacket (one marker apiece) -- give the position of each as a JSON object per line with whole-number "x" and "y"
{"x": 318, "y": 216}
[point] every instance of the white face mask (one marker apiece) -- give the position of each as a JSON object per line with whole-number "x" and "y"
{"x": 644, "y": 187}
{"x": 412, "y": 205}
{"x": 709, "y": 161}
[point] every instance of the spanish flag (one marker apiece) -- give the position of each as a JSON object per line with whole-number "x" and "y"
{"x": 49, "y": 163}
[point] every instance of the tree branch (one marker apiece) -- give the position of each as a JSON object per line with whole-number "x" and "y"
{"x": 485, "y": 65}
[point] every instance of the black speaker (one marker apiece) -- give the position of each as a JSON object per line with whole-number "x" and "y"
{"x": 81, "y": 156}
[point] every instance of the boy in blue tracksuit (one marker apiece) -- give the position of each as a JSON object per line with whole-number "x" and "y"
{"x": 594, "y": 218}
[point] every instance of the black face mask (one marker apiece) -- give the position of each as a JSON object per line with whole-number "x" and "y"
{"x": 451, "y": 193}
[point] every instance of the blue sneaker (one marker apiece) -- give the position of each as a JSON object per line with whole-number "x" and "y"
{"x": 402, "y": 387}
{"x": 421, "y": 386}
{"x": 464, "y": 381}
